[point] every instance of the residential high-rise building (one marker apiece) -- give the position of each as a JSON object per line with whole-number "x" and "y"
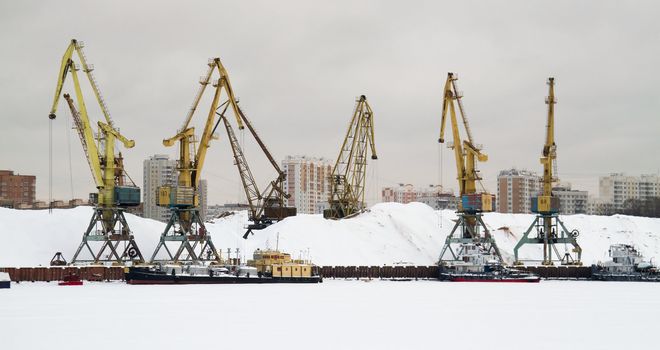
{"x": 307, "y": 183}
{"x": 16, "y": 190}
{"x": 515, "y": 189}
{"x": 571, "y": 201}
{"x": 616, "y": 188}
{"x": 158, "y": 170}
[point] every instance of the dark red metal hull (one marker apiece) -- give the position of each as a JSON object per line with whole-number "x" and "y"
{"x": 70, "y": 283}
{"x": 512, "y": 280}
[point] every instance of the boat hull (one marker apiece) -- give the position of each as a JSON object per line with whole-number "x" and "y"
{"x": 70, "y": 283}
{"x": 624, "y": 277}
{"x": 486, "y": 279}
{"x": 140, "y": 277}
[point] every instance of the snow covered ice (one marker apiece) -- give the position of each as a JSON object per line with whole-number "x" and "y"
{"x": 337, "y": 314}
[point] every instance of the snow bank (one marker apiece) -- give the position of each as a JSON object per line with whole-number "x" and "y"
{"x": 388, "y": 233}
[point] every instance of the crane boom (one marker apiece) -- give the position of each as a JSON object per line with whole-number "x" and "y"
{"x": 102, "y": 162}
{"x": 190, "y": 166}
{"x": 349, "y": 172}
{"x": 66, "y": 65}
{"x": 87, "y": 141}
{"x": 466, "y": 153}
{"x": 264, "y": 207}
{"x": 549, "y": 148}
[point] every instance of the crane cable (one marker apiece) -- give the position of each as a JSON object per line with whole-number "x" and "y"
{"x": 440, "y": 176}
{"x": 50, "y": 166}
{"x": 68, "y": 145}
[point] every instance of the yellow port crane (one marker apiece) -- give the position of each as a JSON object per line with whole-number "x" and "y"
{"x": 469, "y": 225}
{"x": 348, "y": 176}
{"x": 108, "y": 225}
{"x": 185, "y": 226}
{"x": 549, "y": 229}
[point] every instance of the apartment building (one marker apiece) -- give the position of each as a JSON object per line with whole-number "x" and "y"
{"x": 158, "y": 170}
{"x": 307, "y": 183}
{"x": 17, "y": 190}
{"x": 515, "y": 189}
{"x": 571, "y": 201}
{"x": 616, "y": 188}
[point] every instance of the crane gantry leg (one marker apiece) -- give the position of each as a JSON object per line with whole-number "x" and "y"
{"x": 190, "y": 239}
{"x": 468, "y": 229}
{"x": 114, "y": 234}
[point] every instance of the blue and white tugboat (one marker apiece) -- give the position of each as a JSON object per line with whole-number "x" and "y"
{"x": 474, "y": 264}
{"x": 627, "y": 264}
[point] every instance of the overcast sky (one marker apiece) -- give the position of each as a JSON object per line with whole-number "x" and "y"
{"x": 297, "y": 68}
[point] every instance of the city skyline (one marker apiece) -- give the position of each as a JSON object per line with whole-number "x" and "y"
{"x": 149, "y": 78}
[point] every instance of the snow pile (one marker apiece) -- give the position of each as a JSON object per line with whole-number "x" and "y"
{"x": 387, "y": 234}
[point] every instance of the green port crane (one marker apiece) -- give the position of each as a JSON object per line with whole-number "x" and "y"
{"x": 547, "y": 227}
{"x": 108, "y": 225}
{"x": 348, "y": 176}
{"x": 469, "y": 227}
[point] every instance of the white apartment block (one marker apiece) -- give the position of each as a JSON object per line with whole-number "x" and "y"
{"x": 307, "y": 183}
{"x": 616, "y": 188}
{"x": 158, "y": 170}
{"x": 571, "y": 201}
{"x": 515, "y": 189}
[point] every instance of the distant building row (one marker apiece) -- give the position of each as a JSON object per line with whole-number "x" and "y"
{"x": 433, "y": 195}
{"x": 516, "y": 187}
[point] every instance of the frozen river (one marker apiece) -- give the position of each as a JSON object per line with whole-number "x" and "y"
{"x": 333, "y": 315}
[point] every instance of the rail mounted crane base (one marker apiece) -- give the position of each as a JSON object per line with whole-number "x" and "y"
{"x": 551, "y": 223}
{"x": 468, "y": 229}
{"x": 193, "y": 244}
{"x": 115, "y": 239}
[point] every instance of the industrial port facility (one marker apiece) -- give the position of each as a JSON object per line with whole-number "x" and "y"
{"x": 186, "y": 251}
{"x": 329, "y": 175}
